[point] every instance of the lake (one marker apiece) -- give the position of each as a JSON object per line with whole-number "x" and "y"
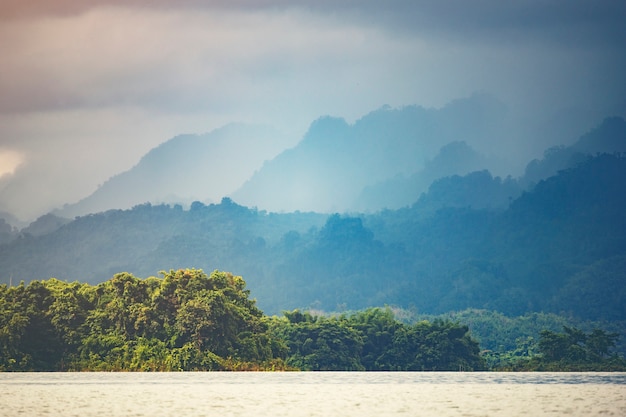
{"x": 324, "y": 394}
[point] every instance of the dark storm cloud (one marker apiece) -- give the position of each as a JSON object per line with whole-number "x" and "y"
{"x": 573, "y": 21}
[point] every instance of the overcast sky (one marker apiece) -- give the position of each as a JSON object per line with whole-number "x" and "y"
{"x": 88, "y": 87}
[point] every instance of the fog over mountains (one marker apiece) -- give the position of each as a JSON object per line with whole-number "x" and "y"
{"x": 462, "y": 160}
{"x": 334, "y": 164}
{"x": 386, "y": 159}
{"x": 187, "y": 168}
{"x": 559, "y": 247}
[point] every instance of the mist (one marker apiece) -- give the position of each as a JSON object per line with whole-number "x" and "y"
{"x": 86, "y": 90}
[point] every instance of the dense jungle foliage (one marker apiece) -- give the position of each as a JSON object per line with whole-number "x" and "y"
{"x": 570, "y": 350}
{"x": 188, "y": 320}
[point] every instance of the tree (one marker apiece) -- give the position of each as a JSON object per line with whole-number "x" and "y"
{"x": 574, "y": 347}
{"x": 377, "y": 327}
{"x": 186, "y": 320}
{"x": 321, "y": 345}
{"x": 599, "y": 344}
{"x": 437, "y": 346}
{"x": 553, "y": 346}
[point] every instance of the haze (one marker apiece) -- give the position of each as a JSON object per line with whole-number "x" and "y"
{"x": 86, "y": 89}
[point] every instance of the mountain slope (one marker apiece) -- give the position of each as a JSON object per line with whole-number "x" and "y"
{"x": 608, "y": 137}
{"x": 558, "y": 247}
{"x": 455, "y": 158}
{"x": 187, "y": 168}
{"x": 335, "y": 161}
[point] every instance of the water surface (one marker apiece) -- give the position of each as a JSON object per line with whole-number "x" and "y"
{"x": 313, "y": 394}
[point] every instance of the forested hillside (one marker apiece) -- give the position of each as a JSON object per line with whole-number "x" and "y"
{"x": 560, "y": 247}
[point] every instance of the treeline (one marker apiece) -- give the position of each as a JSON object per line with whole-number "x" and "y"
{"x": 188, "y": 320}
{"x": 373, "y": 340}
{"x": 505, "y": 338}
{"x": 570, "y": 350}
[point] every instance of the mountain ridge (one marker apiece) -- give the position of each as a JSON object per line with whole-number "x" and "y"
{"x": 335, "y": 161}
{"x": 186, "y": 168}
{"x": 435, "y": 256}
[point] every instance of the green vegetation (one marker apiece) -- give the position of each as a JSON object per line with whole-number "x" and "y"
{"x": 571, "y": 350}
{"x": 526, "y": 343}
{"x": 374, "y": 340}
{"x": 558, "y": 248}
{"x": 183, "y": 321}
{"x": 504, "y": 338}
{"x": 190, "y": 321}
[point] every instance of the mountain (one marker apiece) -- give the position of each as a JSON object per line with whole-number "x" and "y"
{"x": 335, "y": 161}
{"x": 608, "y": 137}
{"x": 478, "y": 190}
{"x": 455, "y": 158}
{"x": 326, "y": 171}
{"x": 187, "y": 168}
{"x": 45, "y": 224}
{"x": 7, "y": 232}
{"x": 558, "y": 247}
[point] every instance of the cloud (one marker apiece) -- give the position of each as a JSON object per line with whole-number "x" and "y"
{"x": 112, "y": 57}
{"x": 152, "y": 57}
{"x": 571, "y": 21}
{"x": 9, "y": 161}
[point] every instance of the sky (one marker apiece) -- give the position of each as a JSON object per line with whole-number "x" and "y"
{"x": 87, "y": 88}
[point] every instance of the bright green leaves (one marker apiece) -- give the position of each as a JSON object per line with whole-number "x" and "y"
{"x": 186, "y": 320}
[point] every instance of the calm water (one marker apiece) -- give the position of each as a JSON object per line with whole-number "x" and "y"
{"x": 351, "y": 394}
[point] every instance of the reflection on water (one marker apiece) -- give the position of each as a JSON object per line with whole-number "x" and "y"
{"x": 312, "y": 394}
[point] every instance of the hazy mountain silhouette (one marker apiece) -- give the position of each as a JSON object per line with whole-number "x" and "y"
{"x": 45, "y": 224}
{"x": 187, "y": 168}
{"x": 7, "y": 232}
{"x": 608, "y": 137}
{"x": 386, "y": 159}
{"x": 455, "y": 158}
{"x": 328, "y": 170}
{"x": 478, "y": 190}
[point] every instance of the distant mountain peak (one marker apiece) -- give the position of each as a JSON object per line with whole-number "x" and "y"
{"x": 608, "y": 137}
{"x": 335, "y": 160}
{"x": 189, "y": 167}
